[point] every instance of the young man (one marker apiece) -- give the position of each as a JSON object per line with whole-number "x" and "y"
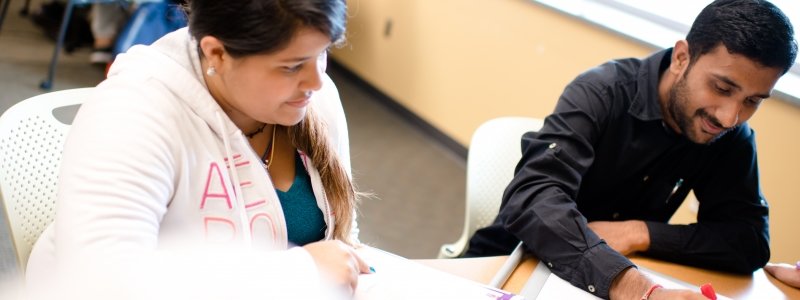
{"x": 631, "y": 138}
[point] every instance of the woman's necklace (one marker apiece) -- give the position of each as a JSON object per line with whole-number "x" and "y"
{"x": 257, "y": 131}
{"x": 270, "y": 151}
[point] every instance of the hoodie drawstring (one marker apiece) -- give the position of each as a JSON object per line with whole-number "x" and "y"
{"x": 236, "y": 183}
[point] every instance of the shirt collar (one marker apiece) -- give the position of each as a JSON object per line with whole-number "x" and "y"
{"x": 645, "y": 105}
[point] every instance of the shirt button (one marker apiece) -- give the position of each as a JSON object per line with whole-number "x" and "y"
{"x": 550, "y": 265}
{"x": 615, "y": 215}
{"x": 591, "y": 288}
{"x": 553, "y": 145}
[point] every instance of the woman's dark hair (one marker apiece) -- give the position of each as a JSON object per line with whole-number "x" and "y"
{"x": 248, "y": 27}
{"x": 756, "y": 29}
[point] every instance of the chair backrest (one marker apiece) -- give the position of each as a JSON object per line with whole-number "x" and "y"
{"x": 32, "y": 135}
{"x": 494, "y": 152}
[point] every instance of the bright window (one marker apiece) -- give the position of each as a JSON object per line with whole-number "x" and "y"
{"x": 661, "y": 23}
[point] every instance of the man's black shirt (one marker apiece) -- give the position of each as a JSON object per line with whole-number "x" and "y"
{"x": 606, "y": 154}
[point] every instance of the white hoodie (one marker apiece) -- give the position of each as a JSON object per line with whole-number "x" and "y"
{"x": 148, "y": 162}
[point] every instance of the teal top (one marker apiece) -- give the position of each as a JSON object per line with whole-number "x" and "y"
{"x": 304, "y": 221}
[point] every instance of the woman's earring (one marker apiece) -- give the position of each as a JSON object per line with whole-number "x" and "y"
{"x": 211, "y": 71}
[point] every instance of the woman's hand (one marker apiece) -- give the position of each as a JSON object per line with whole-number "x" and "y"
{"x": 339, "y": 262}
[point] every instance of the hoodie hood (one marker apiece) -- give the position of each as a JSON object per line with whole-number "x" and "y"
{"x": 176, "y": 56}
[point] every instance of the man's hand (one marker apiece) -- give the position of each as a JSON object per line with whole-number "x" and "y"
{"x": 625, "y": 237}
{"x": 631, "y": 284}
{"x": 786, "y": 273}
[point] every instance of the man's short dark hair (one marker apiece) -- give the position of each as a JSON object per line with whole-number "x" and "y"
{"x": 756, "y": 29}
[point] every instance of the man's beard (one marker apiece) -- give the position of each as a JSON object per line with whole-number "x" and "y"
{"x": 676, "y": 107}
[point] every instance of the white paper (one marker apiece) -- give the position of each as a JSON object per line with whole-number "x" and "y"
{"x": 399, "y": 278}
{"x": 557, "y": 288}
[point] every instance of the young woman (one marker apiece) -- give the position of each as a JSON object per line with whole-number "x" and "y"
{"x": 225, "y": 133}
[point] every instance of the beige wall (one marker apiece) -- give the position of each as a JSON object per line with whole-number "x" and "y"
{"x": 458, "y": 63}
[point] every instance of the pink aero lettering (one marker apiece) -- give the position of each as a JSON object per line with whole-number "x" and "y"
{"x": 266, "y": 227}
{"x": 255, "y": 203}
{"x": 219, "y": 229}
{"x": 237, "y": 162}
{"x": 220, "y": 189}
{"x": 235, "y": 157}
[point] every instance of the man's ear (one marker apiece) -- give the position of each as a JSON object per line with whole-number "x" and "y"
{"x": 213, "y": 50}
{"x": 680, "y": 57}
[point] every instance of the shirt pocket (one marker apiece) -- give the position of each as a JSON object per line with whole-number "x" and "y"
{"x": 664, "y": 197}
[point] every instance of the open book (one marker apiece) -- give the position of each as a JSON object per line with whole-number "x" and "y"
{"x": 398, "y": 278}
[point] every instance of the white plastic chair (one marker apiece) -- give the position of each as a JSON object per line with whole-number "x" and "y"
{"x": 32, "y": 135}
{"x": 493, "y": 154}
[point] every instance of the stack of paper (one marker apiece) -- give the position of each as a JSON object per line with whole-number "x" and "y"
{"x": 398, "y": 278}
{"x": 543, "y": 285}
